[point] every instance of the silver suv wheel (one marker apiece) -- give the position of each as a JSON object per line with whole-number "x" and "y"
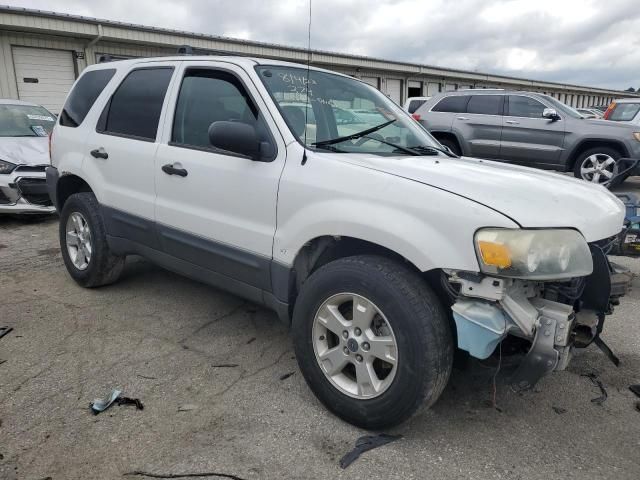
{"x": 79, "y": 241}
{"x": 598, "y": 168}
{"x": 355, "y": 346}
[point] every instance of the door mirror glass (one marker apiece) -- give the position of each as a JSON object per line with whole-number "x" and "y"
{"x": 550, "y": 113}
{"x": 235, "y": 137}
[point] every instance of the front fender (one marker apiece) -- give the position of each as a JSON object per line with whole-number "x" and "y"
{"x": 429, "y": 227}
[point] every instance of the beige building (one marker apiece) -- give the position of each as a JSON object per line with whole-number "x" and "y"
{"x": 42, "y": 53}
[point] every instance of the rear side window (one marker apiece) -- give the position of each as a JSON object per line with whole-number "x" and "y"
{"x": 525, "y": 107}
{"x": 83, "y": 96}
{"x": 453, "y": 104}
{"x": 208, "y": 96}
{"x": 486, "y": 104}
{"x": 624, "y": 112}
{"x": 414, "y": 105}
{"x": 134, "y": 109}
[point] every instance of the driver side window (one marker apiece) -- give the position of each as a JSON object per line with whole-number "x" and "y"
{"x": 208, "y": 96}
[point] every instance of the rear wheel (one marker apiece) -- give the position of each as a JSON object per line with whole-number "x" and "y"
{"x": 372, "y": 340}
{"x": 83, "y": 242}
{"x": 597, "y": 165}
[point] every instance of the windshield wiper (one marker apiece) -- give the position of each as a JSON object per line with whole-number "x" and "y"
{"x": 435, "y": 150}
{"x": 354, "y": 135}
{"x": 410, "y": 151}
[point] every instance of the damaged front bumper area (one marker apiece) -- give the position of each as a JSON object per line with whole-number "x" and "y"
{"x": 555, "y": 317}
{"x": 25, "y": 191}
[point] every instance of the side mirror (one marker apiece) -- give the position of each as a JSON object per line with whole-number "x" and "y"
{"x": 235, "y": 137}
{"x": 551, "y": 114}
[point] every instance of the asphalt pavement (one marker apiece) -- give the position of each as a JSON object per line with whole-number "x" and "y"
{"x": 213, "y": 373}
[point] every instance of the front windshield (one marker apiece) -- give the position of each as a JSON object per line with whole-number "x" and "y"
{"x": 341, "y": 114}
{"x": 563, "y": 107}
{"x": 25, "y": 121}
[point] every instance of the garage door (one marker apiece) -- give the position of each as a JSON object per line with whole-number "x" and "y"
{"x": 394, "y": 90}
{"x": 373, "y": 81}
{"x": 44, "y": 76}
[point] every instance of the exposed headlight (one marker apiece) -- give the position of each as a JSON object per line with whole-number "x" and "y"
{"x": 6, "y": 167}
{"x": 533, "y": 254}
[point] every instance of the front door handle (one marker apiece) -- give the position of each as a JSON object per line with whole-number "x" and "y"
{"x": 171, "y": 170}
{"x": 512, "y": 122}
{"x": 99, "y": 153}
{"x": 462, "y": 118}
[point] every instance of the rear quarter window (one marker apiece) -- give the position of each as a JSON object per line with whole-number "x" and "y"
{"x": 414, "y": 105}
{"x": 83, "y": 96}
{"x": 453, "y": 104}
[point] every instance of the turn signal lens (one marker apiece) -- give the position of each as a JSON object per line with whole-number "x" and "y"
{"x": 636, "y": 135}
{"x": 495, "y": 254}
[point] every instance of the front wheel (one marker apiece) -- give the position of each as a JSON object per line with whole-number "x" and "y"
{"x": 597, "y": 165}
{"x": 372, "y": 340}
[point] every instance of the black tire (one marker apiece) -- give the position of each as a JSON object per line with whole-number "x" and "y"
{"x": 104, "y": 267}
{"x": 611, "y": 152}
{"x": 451, "y": 144}
{"x": 418, "y": 320}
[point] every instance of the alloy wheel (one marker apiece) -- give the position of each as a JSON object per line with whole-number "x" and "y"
{"x": 79, "y": 241}
{"x": 355, "y": 346}
{"x": 599, "y": 168}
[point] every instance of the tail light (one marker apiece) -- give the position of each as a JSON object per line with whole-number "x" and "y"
{"x": 609, "y": 111}
{"x": 416, "y": 117}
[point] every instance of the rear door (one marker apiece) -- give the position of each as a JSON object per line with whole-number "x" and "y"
{"x": 221, "y": 215}
{"x": 527, "y": 137}
{"x": 120, "y": 151}
{"x": 481, "y": 125}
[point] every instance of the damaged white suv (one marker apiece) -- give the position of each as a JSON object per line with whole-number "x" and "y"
{"x": 383, "y": 250}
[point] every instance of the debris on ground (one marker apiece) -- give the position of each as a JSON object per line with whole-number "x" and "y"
{"x": 366, "y": 443}
{"x": 4, "y": 331}
{"x": 140, "y": 473}
{"x": 635, "y": 389}
{"x": 287, "y": 375}
{"x": 606, "y": 350}
{"x": 251, "y": 340}
{"x": 225, "y": 365}
{"x": 100, "y": 405}
{"x": 638, "y": 406}
{"x": 559, "y": 410}
{"x": 130, "y": 401}
{"x": 147, "y": 377}
{"x": 2, "y": 361}
{"x": 594, "y": 379}
{"x": 187, "y": 407}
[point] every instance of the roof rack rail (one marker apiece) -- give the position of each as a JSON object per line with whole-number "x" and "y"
{"x": 185, "y": 50}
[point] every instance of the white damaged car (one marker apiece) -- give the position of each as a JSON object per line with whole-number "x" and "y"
{"x": 24, "y": 155}
{"x": 381, "y": 249}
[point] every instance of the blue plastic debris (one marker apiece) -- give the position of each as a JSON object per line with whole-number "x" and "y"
{"x": 100, "y": 405}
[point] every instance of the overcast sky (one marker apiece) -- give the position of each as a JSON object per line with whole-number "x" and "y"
{"x": 587, "y": 42}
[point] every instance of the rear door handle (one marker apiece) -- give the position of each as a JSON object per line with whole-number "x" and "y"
{"x": 462, "y": 118}
{"x": 171, "y": 170}
{"x": 99, "y": 153}
{"x": 512, "y": 122}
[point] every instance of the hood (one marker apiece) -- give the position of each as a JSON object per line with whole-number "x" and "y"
{"x": 25, "y": 150}
{"x": 530, "y": 197}
{"x": 602, "y": 124}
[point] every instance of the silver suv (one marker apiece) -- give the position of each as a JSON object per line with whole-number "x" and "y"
{"x": 530, "y": 129}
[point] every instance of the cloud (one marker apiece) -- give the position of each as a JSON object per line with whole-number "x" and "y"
{"x": 586, "y": 42}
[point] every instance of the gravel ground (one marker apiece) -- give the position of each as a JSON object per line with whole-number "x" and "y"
{"x": 163, "y": 339}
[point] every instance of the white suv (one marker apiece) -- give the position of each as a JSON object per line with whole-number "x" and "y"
{"x": 383, "y": 250}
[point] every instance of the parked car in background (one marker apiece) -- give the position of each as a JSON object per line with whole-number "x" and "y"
{"x": 590, "y": 112}
{"x": 24, "y": 155}
{"x": 625, "y": 110}
{"x": 529, "y": 129}
{"x": 413, "y": 103}
{"x": 381, "y": 250}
